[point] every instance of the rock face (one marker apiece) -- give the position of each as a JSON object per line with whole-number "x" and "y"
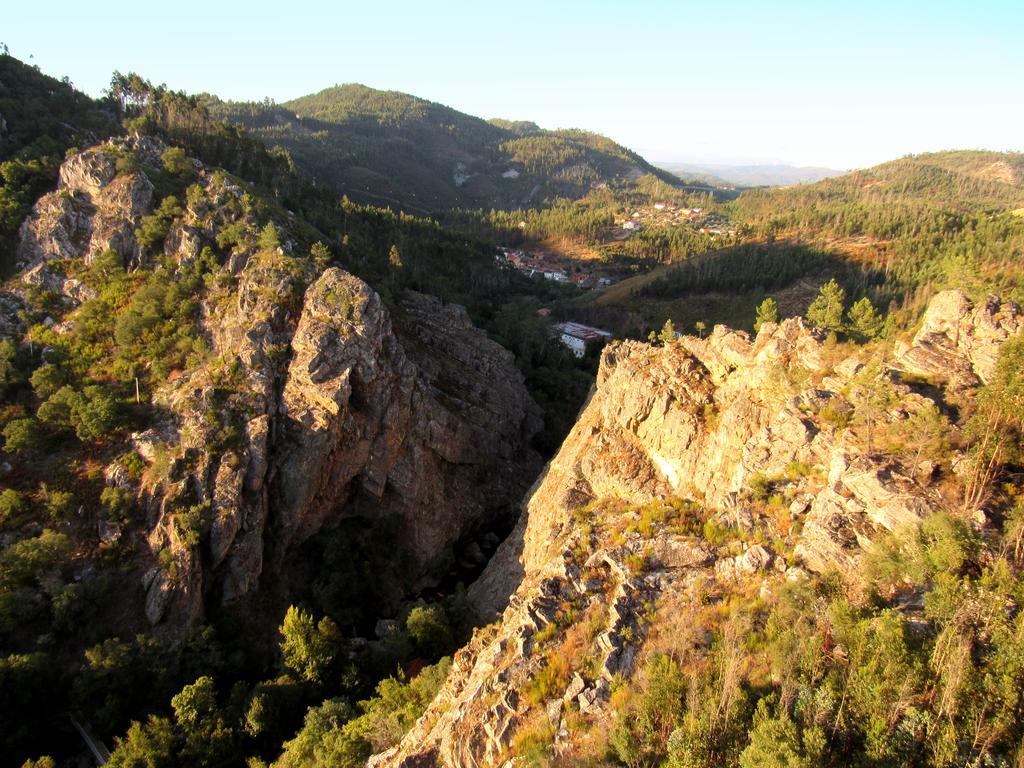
{"x": 959, "y": 342}
{"x": 704, "y": 420}
{"x": 361, "y": 420}
{"x": 315, "y": 402}
{"x": 95, "y": 208}
{"x": 354, "y": 426}
{"x": 698, "y": 418}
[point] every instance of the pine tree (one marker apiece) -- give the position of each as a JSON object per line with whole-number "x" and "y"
{"x": 668, "y": 333}
{"x": 826, "y": 311}
{"x": 270, "y": 238}
{"x": 767, "y": 312}
{"x": 395, "y": 258}
{"x": 865, "y": 322}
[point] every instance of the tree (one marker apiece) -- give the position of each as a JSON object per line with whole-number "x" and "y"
{"x": 12, "y": 504}
{"x": 872, "y": 398}
{"x": 209, "y": 740}
{"x": 22, "y": 435}
{"x": 775, "y": 743}
{"x": 997, "y": 425}
{"x": 195, "y": 702}
{"x": 47, "y": 379}
{"x": 701, "y": 326}
{"x": 176, "y": 161}
{"x": 826, "y": 311}
{"x": 270, "y": 237}
{"x": 145, "y": 746}
{"x": 429, "y": 629}
{"x": 668, "y": 333}
{"x": 396, "y": 268}
{"x": 8, "y": 369}
{"x": 767, "y": 312}
{"x": 865, "y": 323}
{"x": 94, "y": 414}
{"x": 321, "y": 256}
{"x": 309, "y": 648}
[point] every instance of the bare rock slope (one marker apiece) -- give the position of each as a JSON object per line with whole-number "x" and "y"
{"x": 613, "y": 540}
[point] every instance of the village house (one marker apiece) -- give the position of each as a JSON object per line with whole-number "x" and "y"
{"x": 577, "y": 336}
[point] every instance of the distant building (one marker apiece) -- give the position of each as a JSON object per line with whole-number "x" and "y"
{"x": 551, "y": 274}
{"x": 576, "y": 336}
{"x": 630, "y": 225}
{"x": 659, "y": 206}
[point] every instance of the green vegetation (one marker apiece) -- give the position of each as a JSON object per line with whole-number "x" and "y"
{"x": 393, "y": 149}
{"x": 808, "y": 678}
{"x": 45, "y": 118}
{"x": 805, "y": 675}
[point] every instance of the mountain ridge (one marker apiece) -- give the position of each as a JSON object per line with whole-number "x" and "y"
{"x": 396, "y": 147}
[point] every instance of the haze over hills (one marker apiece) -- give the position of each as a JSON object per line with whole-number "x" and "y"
{"x": 393, "y": 148}
{"x": 766, "y": 175}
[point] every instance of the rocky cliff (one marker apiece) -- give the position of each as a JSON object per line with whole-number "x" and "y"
{"x": 698, "y": 470}
{"x": 310, "y": 402}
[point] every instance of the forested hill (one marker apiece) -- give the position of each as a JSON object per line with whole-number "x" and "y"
{"x": 964, "y": 181}
{"x": 897, "y": 233}
{"x": 391, "y": 148}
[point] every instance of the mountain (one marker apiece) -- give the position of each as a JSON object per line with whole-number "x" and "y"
{"x": 748, "y": 175}
{"x": 897, "y": 233}
{"x": 40, "y": 119}
{"x": 687, "y": 569}
{"x": 391, "y": 148}
{"x": 192, "y": 361}
{"x": 272, "y": 487}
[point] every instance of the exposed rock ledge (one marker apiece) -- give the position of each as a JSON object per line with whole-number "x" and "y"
{"x": 695, "y": 419}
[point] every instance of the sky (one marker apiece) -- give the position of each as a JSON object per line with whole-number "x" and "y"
{"x": 835, "y": 84}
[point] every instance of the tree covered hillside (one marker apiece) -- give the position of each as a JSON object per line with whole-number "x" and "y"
{"x": 896, "y": 233}
{"x": 40, "y": 119}
{"x": 391, "y": 148}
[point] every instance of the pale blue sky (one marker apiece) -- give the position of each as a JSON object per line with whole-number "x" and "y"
{"x": 839, "y": 84}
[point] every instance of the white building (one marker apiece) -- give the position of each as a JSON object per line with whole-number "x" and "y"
{"x": 576, "y": 336}
{"x": 551, "y": 274}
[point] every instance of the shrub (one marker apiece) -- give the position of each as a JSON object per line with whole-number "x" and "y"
{"x": 12, "y": 504}
{"x": 175, "y": 161}
{"x": 22, "y": 435}
{"x": 429, "y": 628}
{"x": 117, "y": 503}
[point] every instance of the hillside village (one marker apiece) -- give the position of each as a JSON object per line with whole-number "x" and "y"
{"x": 544, "y": 265}
{"x": 670, "y": 215}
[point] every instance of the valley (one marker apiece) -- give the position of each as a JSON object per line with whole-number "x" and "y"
{"x": 359, "y": 431}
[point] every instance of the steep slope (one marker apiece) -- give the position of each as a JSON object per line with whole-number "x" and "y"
{"x": 40, "y": 118}
{"x": 311, "y": 401}
{"x": 395, "y": 149}
{"x": 655, "y": 508}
